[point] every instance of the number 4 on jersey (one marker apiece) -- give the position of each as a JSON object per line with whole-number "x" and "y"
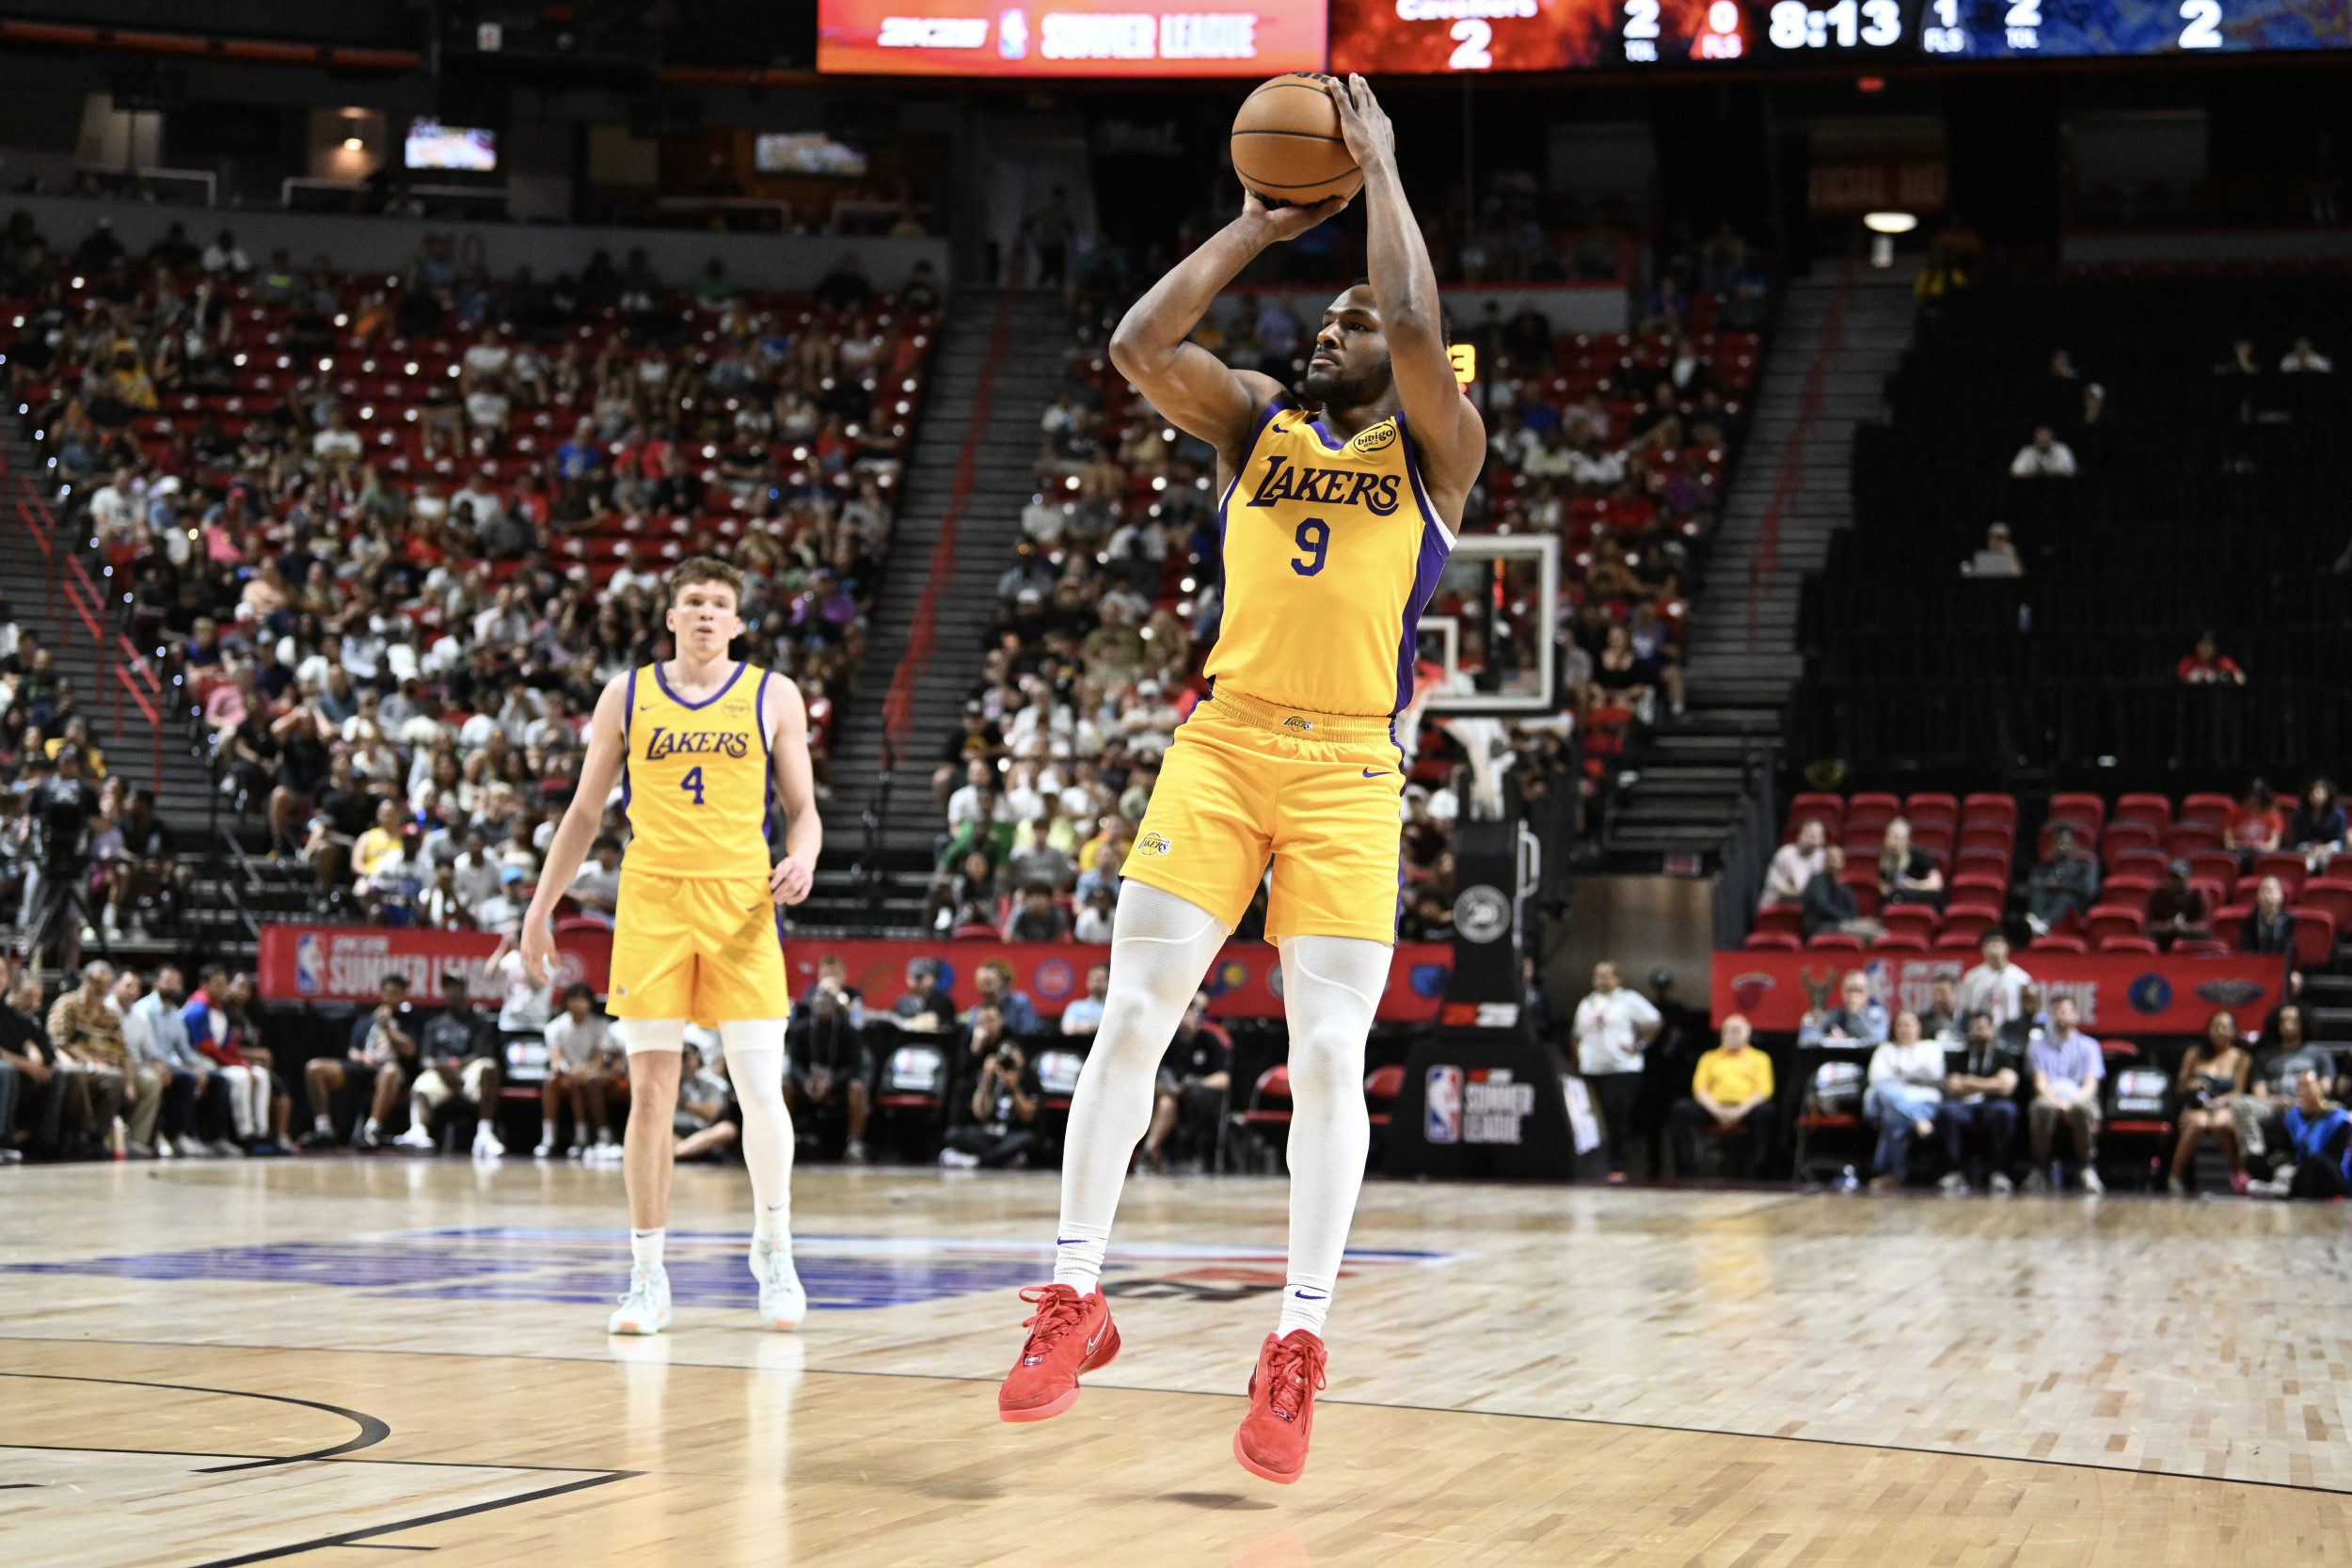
{"x": 693, "y": 781}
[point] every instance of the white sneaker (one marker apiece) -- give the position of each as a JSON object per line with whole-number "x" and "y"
{"x": 956, "y": 1159}
{"x": 418, "y": 1136}
{"x": 189, "y": 1148}
{"x": 487, "y": 1145}
{"x": 1954, "y": 1184}
{"x": 223, "y": 1149}
{"x": 647, "y": 1308}
{"x": 162, "y": 1148}
{"x": 2002, "y": 1185}
{"x": 2092, "y": 1183}
{"x": 546, "y": 1148}
{"x": 782, "y": 1302}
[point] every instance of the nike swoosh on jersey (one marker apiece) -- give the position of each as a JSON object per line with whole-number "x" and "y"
{"x": 1375, "y": 772}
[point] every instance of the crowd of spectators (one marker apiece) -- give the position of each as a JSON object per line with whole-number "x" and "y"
{"x": 1617, "y": 445}
{"x": 123, "y": 1064}
{"x": 391, "y": 536}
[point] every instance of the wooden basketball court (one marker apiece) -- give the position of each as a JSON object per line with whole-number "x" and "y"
{"x": 329, "y": 1359}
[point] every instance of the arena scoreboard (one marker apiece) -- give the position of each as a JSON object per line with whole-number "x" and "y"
{"x": 1255, "y": 39}
{"x": 1390, "y": 37}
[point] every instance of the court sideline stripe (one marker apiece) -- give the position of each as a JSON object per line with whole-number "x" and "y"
{"x": 371, "y": 1431}
{"x": 352, "y": 1538}
{"x": 1209, "y": 1394}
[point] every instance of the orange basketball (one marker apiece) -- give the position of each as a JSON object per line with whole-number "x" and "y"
{"x": 1287, "y": 145}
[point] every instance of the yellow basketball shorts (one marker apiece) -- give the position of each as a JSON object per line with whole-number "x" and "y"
{"x": 1317, "y": 793}
{"x": 707, "y": 949}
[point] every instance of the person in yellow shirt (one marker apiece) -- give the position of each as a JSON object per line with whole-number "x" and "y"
{"x": 1732, "y": 1087}
{"x": 380, "y": 846}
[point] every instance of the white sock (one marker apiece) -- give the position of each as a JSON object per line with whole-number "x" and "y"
{"x": 1330, "y": 988}
{"x": 1078, "y": 1257}
{"x": 368, "y": 1126}
{"x": 755, "y": 1049}
{"x": 1160, "y": 947}
{"x": 321, "y": 1122}
{"x": 547, "y": 1131}
{"x": 644, "y": 1247}
{"x": 1306, "y": 1301}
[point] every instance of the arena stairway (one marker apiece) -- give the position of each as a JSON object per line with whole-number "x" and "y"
{"x": 1741, "y": 659}
{"x": 215, "y": 915}
{"x": 874, "y": 872}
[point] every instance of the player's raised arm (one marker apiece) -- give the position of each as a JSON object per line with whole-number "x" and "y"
{"x": 804, "y": 833}
{"x": 1196, "y": 391}
{"x": 607, "y": 745}
{"x": 1451, "y": 438}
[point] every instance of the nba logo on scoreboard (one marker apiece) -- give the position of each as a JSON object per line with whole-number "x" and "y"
{"x": 1443, "y": 1116}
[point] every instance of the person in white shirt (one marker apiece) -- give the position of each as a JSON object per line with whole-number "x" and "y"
{"x": 580, "y": 1056}
{"x": 2306, "y": 359}
{"x": 2043, "y": 457}
{"x": 1095, "y": 915}
{"x": 1796, "y": 863}
{"x": 597, "y": 888}
{"x": 1085, "y": 1015}
{"x": 1995, "y": 986}
{"x": 1614, "y": 1027}
{"x": 1906, "y": 1085}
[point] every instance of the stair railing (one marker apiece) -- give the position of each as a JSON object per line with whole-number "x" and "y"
{"x": 1748, "y": 849}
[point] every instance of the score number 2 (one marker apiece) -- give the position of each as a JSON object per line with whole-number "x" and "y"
{"x": 2204, "y": 24}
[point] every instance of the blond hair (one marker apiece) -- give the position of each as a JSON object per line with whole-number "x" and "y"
{"x": 706, "y": 568}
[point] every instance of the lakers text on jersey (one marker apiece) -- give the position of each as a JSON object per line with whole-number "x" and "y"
{"x": 1330, "y": 552}
{"x": 696, "y": 934}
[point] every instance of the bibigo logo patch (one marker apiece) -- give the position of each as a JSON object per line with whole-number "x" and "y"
{"x": 1153, "y": 844}
{"x": 1376, "y": 439}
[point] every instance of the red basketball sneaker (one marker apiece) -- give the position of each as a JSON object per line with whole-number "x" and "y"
{"x": 1272, "y": 1442}
{"x": 1071, "y": 1333}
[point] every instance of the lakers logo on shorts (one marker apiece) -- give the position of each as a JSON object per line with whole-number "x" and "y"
{"x": 1296, "y": 723}
{"x": 1376, "y": 439}
{"x": 1153, "y": 844}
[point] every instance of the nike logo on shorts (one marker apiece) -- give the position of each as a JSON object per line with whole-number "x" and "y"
{"x": 1375, "y": 772}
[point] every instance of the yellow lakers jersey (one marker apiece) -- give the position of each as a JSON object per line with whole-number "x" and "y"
{"x": 696, "y": 788}
{"x": 1331, "y": 551}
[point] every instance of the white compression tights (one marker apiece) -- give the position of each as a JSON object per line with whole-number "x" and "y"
{"x": 1161, "y": 945}
{"x": 755, "y": 1051}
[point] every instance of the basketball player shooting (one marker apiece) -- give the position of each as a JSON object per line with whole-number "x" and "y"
{"x": 1336, "y": 513}
{"x": 707, "y": 742}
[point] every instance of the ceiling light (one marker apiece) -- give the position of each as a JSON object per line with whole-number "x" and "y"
{"x": 1891, "y": 223}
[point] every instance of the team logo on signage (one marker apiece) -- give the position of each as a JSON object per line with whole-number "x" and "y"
{"x": 2228, "y": 993}
{"x": 1153, "y": 844}
{"x": 1481, "y": 914}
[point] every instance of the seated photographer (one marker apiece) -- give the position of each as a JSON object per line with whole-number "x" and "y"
{"x": 704, "y": 1123}
{"x": 826, "y": 1067}
{"x": 1194, "y": 1073}
{"x": 997, "y": 1123}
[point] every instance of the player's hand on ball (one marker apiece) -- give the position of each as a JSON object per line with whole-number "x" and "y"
{"x": 1288, "y": 223}
{"x": 789, "y": 882}
{"x": 1365, "y": 124}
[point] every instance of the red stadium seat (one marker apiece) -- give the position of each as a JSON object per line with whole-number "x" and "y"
{"x": 2200, "y": 947}
{"x": 1931, "y": 805}
{"x": 2001, "y": 836}
{"x": 1959, "y": 939}
{"x": 1269, "y": 1099}
{"x": 1899, "y": 941}
{"x": 2332, "y": 894}
{"x": 1781, "y": 917}
{"x": 1840, "y": 939}
{"x": 1981, "y": 862}
{"x": 1784, "y": 941}
{"x": 1976, "y": 888}
{"x": 2215, "y": 809}
{"x": 2155, "y": 810}
{"x": 1968, "y": 924}
{"x": 2111, "y": 920}
{"x": 1381, "y": 1085}
{"x": 2284, "y": 865}
{"x": 2213, "y": 865}
{"x": 2125, "y": 943}
{"x": 1916, "y": 920}
{"x": 2120, "y": 836}
{"x": 2227, "y": 922}
{"x": 2187, "y": 838}
{"x": 1820, "y": 804}
{"x": 1874, "y": 804}
{"x": 2315, "y": 937}
{"x": 2128, "y": 891}
{"x": 2058, "y": 942}
{"x": 1988, "y": 809}
{"x": 2150, "y": 864}
{"x": 2080, "y": 806}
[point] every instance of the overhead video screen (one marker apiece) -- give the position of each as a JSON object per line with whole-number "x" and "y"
{"x": 433, "y": 145}
{"x": 2024, "y": 28}
{"x": 1068, "y": 38}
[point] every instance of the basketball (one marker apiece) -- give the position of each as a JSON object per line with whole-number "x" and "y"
{"x": 1287, "y": 145}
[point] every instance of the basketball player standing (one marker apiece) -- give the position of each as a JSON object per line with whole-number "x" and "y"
{"x": 707, "y": 742}
{"x": 1336, "y": 513}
